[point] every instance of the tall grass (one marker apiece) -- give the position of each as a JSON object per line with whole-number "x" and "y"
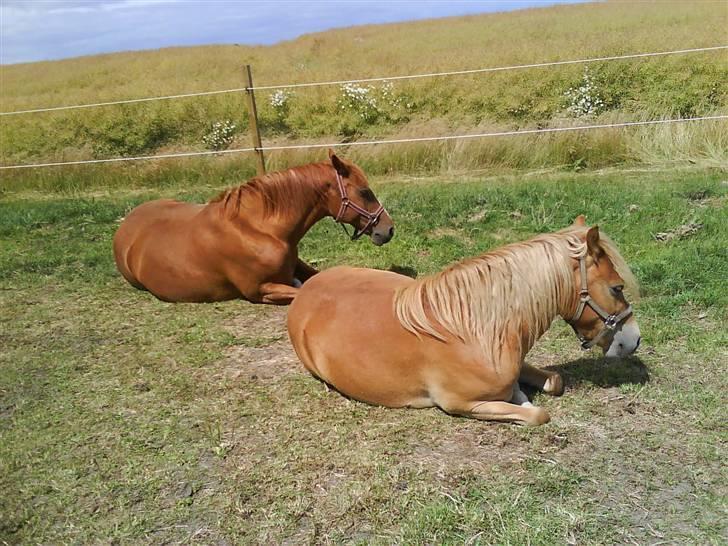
{"x": 705, "y": 144}
{"x": 684, "y": 85}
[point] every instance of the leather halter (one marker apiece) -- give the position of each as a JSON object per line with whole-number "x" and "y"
{"x": 372, "y": 218}
{"x": 611, "y": 322}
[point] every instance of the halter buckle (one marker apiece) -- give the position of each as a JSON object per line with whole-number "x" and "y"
{"x": 611, "y": 322}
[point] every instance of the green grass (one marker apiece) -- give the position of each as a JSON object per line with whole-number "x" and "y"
{"x": 127, "y": 420}
{"x": 673, "y": 86}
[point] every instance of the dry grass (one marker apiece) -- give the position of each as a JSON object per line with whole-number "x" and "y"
{"x": 560, "y": 32}
{"x": 665, "y": 87}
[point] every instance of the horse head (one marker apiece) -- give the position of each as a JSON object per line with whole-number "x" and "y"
{"x": 352, "y": 202}
{"x": 603, "y": 316}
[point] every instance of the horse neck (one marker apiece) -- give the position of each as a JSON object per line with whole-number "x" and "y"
{"x": 300, "y": 202}
{"x": 547, "y": 295}
{"x": 493, "y": 298}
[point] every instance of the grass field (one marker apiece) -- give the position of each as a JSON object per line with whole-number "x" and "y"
{"x": 639, "y": 89}
{"x": 127, "y": 420}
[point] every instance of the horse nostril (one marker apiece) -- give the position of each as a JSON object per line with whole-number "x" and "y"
{"x": 638, "y": 343}
{"x": 391, "y": 232}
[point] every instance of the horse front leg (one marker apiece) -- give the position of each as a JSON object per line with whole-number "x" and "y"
{"x": 303, "y": 271}
{"x": 496, "y": 410}
{"x": 515, "y": 409}
{"x": 525, "y": 414}
{"x": 277, "y": 293}
{"x": 548, "y": 382}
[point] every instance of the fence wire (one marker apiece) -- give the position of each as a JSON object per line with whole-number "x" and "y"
{"x": 379, "y": 142}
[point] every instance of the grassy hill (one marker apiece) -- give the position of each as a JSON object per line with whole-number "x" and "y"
{"x": 681, "y": 85}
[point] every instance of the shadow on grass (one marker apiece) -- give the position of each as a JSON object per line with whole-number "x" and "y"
{"x": 603, "y": 372}
{"x": 403, "y": 270}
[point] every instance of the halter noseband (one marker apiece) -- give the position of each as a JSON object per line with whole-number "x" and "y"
{"x": 611, "y": 322}
{"x": 372, "y": 218}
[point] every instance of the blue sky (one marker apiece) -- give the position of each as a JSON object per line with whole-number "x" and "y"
{"x": 35, "y": 30}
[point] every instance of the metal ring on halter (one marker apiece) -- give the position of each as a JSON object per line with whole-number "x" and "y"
{"x": 611, "y": 322}
{"x": 372, "y": 218}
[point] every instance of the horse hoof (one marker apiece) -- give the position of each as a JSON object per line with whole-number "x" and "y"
{"x": 554, "y": 385}
{"x": 538, "y": 417}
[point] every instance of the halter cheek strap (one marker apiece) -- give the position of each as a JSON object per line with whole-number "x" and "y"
{"x": 372, "y": 218}
{"x": 611, "y": 322}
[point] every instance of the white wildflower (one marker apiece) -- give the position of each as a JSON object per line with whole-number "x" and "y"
{"x": 584, "y": 100}
{"x": 220, "y": 136}
{"x": 279, "y": 99}
{"x": 359, "y": 100}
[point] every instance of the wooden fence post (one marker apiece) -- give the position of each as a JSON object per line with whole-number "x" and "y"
{"x": 253, "y": 125}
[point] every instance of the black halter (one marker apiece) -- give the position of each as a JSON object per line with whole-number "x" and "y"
{"x": 611, "y": 322}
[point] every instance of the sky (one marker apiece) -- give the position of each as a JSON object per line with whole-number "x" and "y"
{"x": 35, "y": 30}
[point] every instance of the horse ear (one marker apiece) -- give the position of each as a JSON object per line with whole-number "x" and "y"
{"x": 580, "y": 221}
{"x": 592, "y": 242}
{"x": 338, "y": 164}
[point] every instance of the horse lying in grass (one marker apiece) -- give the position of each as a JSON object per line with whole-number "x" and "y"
{"x": 457, "y": 339}
{"x": 244, "y": 243}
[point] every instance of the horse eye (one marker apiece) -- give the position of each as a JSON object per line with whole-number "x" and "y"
{"x": 367, "y": 194}
{"x": 617, "y": 290}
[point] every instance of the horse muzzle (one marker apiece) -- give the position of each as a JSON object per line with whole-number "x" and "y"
{"x": 625, "y": 340}
{"x": 382, "y": 235}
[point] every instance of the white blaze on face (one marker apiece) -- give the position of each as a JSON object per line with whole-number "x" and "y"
{"x": 625, "y": 340}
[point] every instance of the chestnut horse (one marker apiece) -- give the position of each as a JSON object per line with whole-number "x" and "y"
{"x": 244, "y": 243}
{"x": 457, "y": 339}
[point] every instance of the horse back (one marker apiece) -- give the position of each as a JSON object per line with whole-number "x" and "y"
{"x": 344, "y": 329}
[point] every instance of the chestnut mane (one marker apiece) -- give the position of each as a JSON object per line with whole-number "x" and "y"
{"x": 279, "y": 191}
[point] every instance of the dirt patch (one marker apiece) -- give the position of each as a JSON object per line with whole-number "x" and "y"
{"x": 440, "y": 233}
{"x": 262, "y": 350}
{"x": 502, "y": 234}
{"x": 478, "y": 216}
{"x": 680, "y": 232}
{"x": 471, "y": 446}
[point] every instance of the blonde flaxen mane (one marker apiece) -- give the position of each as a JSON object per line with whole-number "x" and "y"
{"x": 490, "y": 297}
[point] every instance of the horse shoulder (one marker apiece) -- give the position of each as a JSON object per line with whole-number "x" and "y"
{"x": 274, "y": 255}
{"x": 259, "y": 254}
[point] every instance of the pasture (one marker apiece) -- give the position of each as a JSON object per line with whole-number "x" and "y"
{"x": 127, "y": 420}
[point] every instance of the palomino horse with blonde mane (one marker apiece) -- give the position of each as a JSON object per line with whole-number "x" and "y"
{"x": 457, "y": 339}
{"x": 244, "y": 243}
